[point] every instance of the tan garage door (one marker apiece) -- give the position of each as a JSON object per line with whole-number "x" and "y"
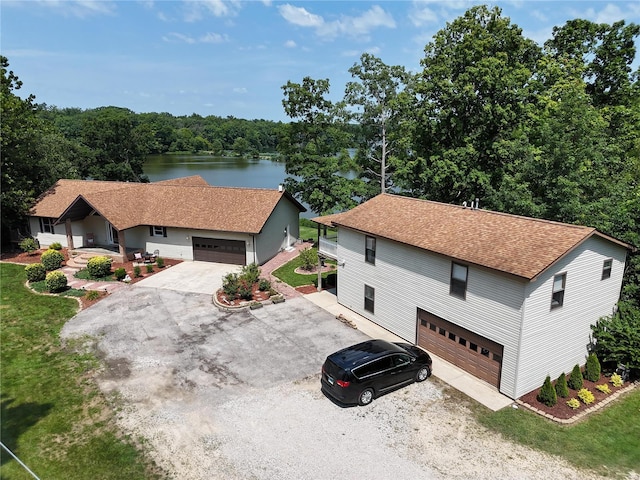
{"x": 471, "y": 352}
{"x": 219, "y": 250}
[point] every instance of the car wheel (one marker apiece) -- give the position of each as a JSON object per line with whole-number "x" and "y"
{"x": 423, "y": 374}
{"x": 366, "y": 396}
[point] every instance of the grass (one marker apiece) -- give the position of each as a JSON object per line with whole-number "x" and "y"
{"x": 53, "y": 417}
{"x": 84, "y": 275}
{"x": 607, "y": 442}
{"x": 287, "y": 274}
{"x": 41, "y": 287}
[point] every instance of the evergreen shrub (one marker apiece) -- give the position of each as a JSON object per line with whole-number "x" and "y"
{"x": 51, "y": 259}
{"x": 592, "y": 369}
{"x": 575, "y": 379}
{"x": 149, "y": 268}
{"x": 547, "y": 393}
{"x": 120, "y": 273}
{"x": 160, "y": 262}
{"x": 137, "y": 271}
{"x": 561, "y": 386}
{"x": 35, "y": 272}
{"x": 250, "y": 273}
{"x": 99, "y": 267}
{"x": 28, "y": 245}
{"x": 55, "y": 246}
{"x": 55, "y": 281}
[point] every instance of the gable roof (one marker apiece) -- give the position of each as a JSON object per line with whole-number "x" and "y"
{"x": 520, "y": 246}
{"x": 184, "y": 203}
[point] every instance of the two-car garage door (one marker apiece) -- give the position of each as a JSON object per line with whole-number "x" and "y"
{"x": 219, "y": 250}
{"x": 471, "y": 352}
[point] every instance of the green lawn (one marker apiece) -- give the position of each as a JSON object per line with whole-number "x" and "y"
{"x": 287, "y": 274}
{"x": 52, "y": 415}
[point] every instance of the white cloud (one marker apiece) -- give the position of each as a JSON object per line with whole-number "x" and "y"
{"x": 197, "y": 9}
{"x": 213, "y": 38}
{"x": 175, "y": 37}
{"x": 422, "y": 16}
{"x": 290, "y": 44}
{"x": 300, "y": 16}
{"x": 69, "y": 8}
{"x": 178, "y": 37}
{"x": 239, "y": 90}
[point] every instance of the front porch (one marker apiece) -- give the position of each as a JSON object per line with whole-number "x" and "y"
{"x": 112, "y": 251}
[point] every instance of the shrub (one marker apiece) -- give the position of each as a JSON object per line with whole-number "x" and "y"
{"x": 573, "y": 403}
{"x": 616, "y": 380}
{"x": 604, "y": 388}
{"x": 250, "y": 273}
{"x": 547, "y": 393}
{"x": 137, "y": 271}
{"x": 149, "y": 268}
{"x": 51, "y": 259}
{"x": 160, "y": 262}
{"x": 99, "y": 266}
{"x": 561, "y": 386}
{"x": 245, "y": 289}
{"x": 592, "y": 369}
{"x": 55, "y": 246}
{"x": 575, "y": 379}
{"x": 120, "y": 273}
{"x": 55, "y": 281}
{"x": 586, "y": 396}
{"x": 309, "y": 258}
{"x": 264, "y": 285}
{"x": 35, "y": 272}
{"x": 230, "y": 284}
{"x": 92, "y": 295}
{"x": 28, "y": 245}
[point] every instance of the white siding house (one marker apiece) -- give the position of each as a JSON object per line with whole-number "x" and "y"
{"x": 400, "y": 259}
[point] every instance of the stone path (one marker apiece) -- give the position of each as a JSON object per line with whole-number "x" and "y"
{"x": 279, "y": 260}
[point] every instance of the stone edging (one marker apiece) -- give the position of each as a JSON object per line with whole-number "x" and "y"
{"x": 585, "y": 412}
{"x": 278, "y": 298}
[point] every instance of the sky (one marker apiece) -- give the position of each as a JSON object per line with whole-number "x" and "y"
{"x": 231, "y": 58}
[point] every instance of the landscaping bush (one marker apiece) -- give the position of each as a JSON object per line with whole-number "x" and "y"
{"x": 575, "y": 379}
{"x": 592, "y": 369}
{"x": 264, "y": 285}
{"x": 604, "y": 388}
{"x": 35, "y": 272}
{"x": 137, "y": 271}
{"x": 561, "y": 386}
{"x": 586, "y": 396}
{"x": 573, "y": 403}
{"x": 250, "y": 273}
{"x": 51, "y": 259}
{"x": 149, "y": 268}
{"x": 92, "y": 295}
{"x": 308, "y": 258}
{"x": 160, "y": 262}
{"x": 547, "y": 393}
{"x": 55, "y": 246}
{"x": 99, "y": 267}
{"x": 28, "y": 245}
{"x": 55, "y": 281}
{"x": 230, "y": 284}
{"x": 120, "y": 273}
{"x": 616, "y": 380}
{"x": 245, "y": 289}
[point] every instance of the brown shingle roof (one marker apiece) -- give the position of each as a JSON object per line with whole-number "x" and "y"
{"x": 516, "y": 245}
{"x": 185, "y": 203}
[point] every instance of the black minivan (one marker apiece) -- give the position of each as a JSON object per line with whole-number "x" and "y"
{"x": 362, "y": 372}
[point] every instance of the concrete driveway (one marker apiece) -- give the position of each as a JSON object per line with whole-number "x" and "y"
{"x": 194, "y": 277}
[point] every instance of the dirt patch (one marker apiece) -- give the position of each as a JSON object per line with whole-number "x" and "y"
{"x": 305, "y": 289}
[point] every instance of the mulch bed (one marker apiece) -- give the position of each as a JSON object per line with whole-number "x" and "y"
{"x": 28, "y": 258}
{"x": 257, "y": 296}
{"x": 305, "y": 289}
{"x": 561, "y": 410}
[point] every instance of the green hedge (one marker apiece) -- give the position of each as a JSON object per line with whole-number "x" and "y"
{"x": 51, "y": 259}
{"x": 35, "y": 272}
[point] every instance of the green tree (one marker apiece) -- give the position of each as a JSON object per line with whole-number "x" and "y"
{"x": 576, "y": 379}
{"x": 547, "y": 393}
{"x": 617, "y": 337}
{"x": 562, "y": 390}
{"x": 376, "y": 97}
{"x": 313, "y": 146}
{"x": 240, "y": 146}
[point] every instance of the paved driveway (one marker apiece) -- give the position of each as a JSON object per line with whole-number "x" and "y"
{"x": 194, "y": 277}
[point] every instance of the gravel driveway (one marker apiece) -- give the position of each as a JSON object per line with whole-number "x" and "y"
{"x": 237, "y": 396}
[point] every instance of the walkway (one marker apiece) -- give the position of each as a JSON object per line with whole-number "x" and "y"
{"x": 76, "y": 264}
{"x": 279, "y": 260}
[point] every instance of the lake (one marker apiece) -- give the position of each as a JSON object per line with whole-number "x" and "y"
{"x": 219, "y": 171}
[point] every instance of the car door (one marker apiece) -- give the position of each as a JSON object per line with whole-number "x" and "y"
{"x": 399, "y": 370}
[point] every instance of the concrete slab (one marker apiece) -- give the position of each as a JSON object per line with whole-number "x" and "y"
{"x": 192, "y": 277}
{"x": 475, "y": 388}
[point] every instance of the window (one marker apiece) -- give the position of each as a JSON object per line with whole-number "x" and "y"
{"x": 46, "y": 225}
{"x": 606, "y": 269}
{"x": 157, "y": 231}
{"x": 557, "y": 298}
{"x": 369, "y": 298}
{"x": 370, "y": 250}
{"x": 458, "y": 280}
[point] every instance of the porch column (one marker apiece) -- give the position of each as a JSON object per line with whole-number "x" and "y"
{"x": 67, "y": 228}
{"x": 122, "y": 245}
{"x": 319, "y": 273}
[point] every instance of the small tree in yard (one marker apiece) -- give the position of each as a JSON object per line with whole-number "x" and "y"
{"x": 547, "y": 393}
{"x": 592, "y": 369}
{"x": 617, "y": 337}
{"x": 561, "y": 386}
{"x": 309, "y": 258}
{"x": 575, "y": 379}
{"x": 28, "y": 245}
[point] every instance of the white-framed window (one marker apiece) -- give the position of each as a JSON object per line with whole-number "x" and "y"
{"x": 157, "y": 231}
{"x": 47, "y": 225}
{"x": 369, "y": 298}
{"x": 606, "y": 269}
{"x": 557, "y": 296}
{"x": 458, "y": 286}
{"x": 370, "y": 250}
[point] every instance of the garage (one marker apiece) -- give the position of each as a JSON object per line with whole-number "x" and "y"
{"x": 469, "y": 351}
{"x": 219, "y": 250}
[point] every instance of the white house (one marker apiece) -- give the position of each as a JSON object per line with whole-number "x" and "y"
{"x": 183, "y": 218}
{"x": 509, "y": 299}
